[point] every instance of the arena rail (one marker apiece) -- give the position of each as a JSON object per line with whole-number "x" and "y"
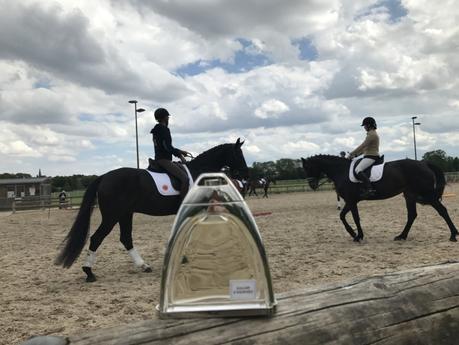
{"x": 417, "y": 306}
{"x": 296, "y": 187}
{"x": 452, "y": 177}
{"x": 35, "y": 203}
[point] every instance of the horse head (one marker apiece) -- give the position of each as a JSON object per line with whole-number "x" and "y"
{"x": 228, "y": 156}
{"x": 312, "y": 171}
{"x": 236, "y": 161}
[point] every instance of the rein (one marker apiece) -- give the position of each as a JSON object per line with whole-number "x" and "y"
{"x": 324, "y": 181}
{"x": 309, "y": 179}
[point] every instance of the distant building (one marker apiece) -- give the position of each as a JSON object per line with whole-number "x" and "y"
{"x": 23, "y": 188}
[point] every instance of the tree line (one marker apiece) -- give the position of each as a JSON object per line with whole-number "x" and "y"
{"x": 58, "y": 183}
{"x": 282, "y": 169}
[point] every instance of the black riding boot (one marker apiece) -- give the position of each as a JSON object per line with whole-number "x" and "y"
{"x": 368, "y": 189}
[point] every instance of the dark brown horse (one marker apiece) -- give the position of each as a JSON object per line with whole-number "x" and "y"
{"x": 420, "y": 182}
{"x": 125, "y": 191}
{"x": 263, "y": 182}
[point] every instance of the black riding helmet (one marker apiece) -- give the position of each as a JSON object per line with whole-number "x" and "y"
{"x": 161, "y": 113}
{"x": 369, "y": 121}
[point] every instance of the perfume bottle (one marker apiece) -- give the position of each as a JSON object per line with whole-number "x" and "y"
{"x": 215, "y": 262}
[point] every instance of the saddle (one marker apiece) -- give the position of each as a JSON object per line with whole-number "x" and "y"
{"x": 374, "y": 172}
{"x": 153, "y": 166}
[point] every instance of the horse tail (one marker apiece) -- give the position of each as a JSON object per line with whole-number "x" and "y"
{"x": 440, "y": 180}
{"x": 75, "y": 240}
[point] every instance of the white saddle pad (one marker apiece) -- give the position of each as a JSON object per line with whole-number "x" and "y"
{"x": 375, "y": 175}
{"x": 163, "y": 182}
{"x": 239, "y": 183}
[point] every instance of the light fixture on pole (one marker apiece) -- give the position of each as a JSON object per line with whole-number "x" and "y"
{"x": 136, "y": 132}
{"x": 414, "y": 135}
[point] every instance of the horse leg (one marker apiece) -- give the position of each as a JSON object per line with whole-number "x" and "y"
{"x": 410, "y": 201}
{"x": 126, "y": 240}
{"x": 437, "y": 205}
{"x": 96, "y": 239}
{"x": 342, "y": 216}
{"x": 356, "y": 217}
{"x": 266, "y": 192}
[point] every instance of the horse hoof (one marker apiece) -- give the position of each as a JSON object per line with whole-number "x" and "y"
{"x": 90, "y": 276}
{"x": 399, "y": 238}
{"x": 356, "y": 239}
{"x": 453, "y": 239}
{"x": 91, "y": 279}
{"x": 146, "y": 268}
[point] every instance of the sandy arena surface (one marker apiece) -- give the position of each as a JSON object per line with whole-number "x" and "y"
{"x": 304, "y": 238}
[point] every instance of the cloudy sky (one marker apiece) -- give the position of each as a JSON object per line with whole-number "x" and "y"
{"x": 292, "y": 78}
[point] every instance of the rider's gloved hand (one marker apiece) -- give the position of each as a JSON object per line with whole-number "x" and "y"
{"x": 182, "y": 159}
{"x": 186, "y": 153}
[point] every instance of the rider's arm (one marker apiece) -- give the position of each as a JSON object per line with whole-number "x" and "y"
{"x": 370, "y": 141}
{"x": 359, "y": 150}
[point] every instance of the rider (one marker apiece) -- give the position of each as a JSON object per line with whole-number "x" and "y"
{"x": 164, "y": 150}
{"x": 370, "y": 150}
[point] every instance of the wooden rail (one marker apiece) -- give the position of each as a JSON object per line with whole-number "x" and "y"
{"x": 418, "y": 306}
{"x": 39, "y": 203}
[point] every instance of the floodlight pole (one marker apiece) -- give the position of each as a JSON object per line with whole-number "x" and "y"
{"x": 136, "y": 132}
{"x": 414, "y": 135}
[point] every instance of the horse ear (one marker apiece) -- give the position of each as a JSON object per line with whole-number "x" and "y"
{"x": 239, "y": 143}
{"x": 303, "y": 160}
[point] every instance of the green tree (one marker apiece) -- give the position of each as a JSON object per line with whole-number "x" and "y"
{"x": 286, "y": 169}
{"x": 437, "y": 157}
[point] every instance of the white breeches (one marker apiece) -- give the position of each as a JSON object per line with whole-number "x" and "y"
{"x": 364, "y": 163}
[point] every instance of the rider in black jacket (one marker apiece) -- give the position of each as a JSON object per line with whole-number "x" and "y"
{"x": 164, "y": 150}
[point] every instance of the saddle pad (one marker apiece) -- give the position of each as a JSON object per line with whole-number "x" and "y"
{"x": 163, "y": 182}
{"x": 239, "y": 183}
{"x": 375, "y": 175}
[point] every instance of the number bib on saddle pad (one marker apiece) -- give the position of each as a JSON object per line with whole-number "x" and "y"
{"x": 375, "y": 174}
{"x": 164, "y": 184}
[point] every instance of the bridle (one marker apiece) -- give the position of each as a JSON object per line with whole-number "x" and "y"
{"x": 314, "y": 179}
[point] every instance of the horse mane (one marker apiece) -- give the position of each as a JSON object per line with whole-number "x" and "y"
{"x": 328, "y": 157}
{"x": 212, "y": 150}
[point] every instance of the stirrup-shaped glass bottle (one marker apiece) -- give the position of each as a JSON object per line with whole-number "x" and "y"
{"x": 215, "y": 263}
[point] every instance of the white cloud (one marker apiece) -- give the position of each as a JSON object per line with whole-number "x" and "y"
{"x": 271, "y": 108}
{"x": 69, "y": 68}
{"x": 18, "y": 148}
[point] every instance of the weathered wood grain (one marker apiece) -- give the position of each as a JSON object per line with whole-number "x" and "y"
{"x": 419, "y": 306}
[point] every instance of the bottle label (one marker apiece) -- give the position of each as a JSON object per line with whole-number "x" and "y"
{"x": 243, "y": 289}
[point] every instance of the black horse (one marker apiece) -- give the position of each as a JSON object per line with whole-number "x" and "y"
{"x": 124, "y": 191}
{"x": 419, "y": 181}
{"x": 263, "y": 182}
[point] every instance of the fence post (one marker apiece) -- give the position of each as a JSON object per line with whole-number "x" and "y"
{"x": 13, "y": 205}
